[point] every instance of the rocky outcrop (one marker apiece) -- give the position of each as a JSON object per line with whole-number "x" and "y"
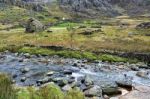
{"x": 89, "y": 8}
{"x": 98, "y": 8}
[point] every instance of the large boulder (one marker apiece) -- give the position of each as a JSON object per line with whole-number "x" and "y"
{"x": 139, "y": 92}
{"x": 111, "y": 91}
{"x": 34, "y": 25}
{"x": 94, "y": 91}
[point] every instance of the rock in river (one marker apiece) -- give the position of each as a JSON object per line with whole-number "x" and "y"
{"x": 62, "y": 82}
{"x": 50, "y": 73}
{"x": 126, "y": 83}
{"x": 94, "y": 91}
{"x": 111, "y": 91}
{"x": 67, "y": 71}
{"x": 88, "y": 81}
{"x": 142, "y": 74}
{"x": 66, "y": 88}
{"x": 25, "y": 70}
{"x": 134, "y": 68}
{"x": 23, "y": 79}
{"x": 27, "y": 55}
{"x": 139, "y": 92}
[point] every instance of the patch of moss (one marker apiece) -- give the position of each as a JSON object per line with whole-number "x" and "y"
{"x": 111, "y": 58}
{"x": 35, "y": 50}
{"x": 114, "y": 58}
{"x": 75, "y": 54}
{"x": 70, "y": 54}
{"x": 61, "y": 53}
{"x": 89, "y": 55}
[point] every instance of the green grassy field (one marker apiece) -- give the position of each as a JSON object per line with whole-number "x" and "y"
{"x": 125, "y": 39}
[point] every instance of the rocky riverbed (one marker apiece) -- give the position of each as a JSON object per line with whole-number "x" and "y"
{"x": 96, "y": 79}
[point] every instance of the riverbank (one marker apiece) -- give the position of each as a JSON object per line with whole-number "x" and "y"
{"x": 68, "y": 53}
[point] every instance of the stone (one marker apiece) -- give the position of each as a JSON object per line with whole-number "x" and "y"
{"x": 62, "y": 82}
{"x": 75, "y": 64}
{"x": 94, "y": 91}
{"x": 14, "y": 75}
{"x": 25, "y": 70}
{"x": 43, "y": 81}
{"x": 106, "y": 97}
{"x": 111, "y": 91}
{"x": 23, "y": 79}
{"x": 126, "y": 83}
{"x": 67, "y": 71}
{"x": 142, "y": 74}
{"x": 27, "y": 55}
{"x": 20, "y": 60}
{"x": 71, "y": 80}
{"x": 88, "y": 81}
{"x": 13, "y": 81}
{"x": 134, "y": 68}
{"x": 73, "y": 84}
{"x": 50, "y": 73}
{"x": 66, "y": 88}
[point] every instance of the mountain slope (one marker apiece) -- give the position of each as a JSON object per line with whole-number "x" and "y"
{"x": 89, "y": 8}
{"x": 105, "y": 7}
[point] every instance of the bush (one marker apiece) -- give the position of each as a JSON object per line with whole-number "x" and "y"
{"x": 51, "y": 92}
{"x": 74, "y": 94}
{"x": 6, "y": 89}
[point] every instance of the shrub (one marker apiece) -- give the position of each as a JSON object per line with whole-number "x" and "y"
{"x": 6, "y": 89}
{"x": 51, "y": 91}
{"x": 74, "y": 94}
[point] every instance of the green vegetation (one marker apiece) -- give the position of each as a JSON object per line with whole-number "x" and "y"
{"x": 111, "y": 58}
{"x": 6, "y": 89}
{"x": 50, "y": 91}
{"x": 107, "y": 34}
{"x": 65, "y": 24}
{"x": 74, "y": 94}
{"x": 74, "y": 54}
{"x": 115, "y": 34}
{"x": 18, "y": 16}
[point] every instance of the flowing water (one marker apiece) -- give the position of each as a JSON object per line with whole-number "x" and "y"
{"x": 10, "y": 63}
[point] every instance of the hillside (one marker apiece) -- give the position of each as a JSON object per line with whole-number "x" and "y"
{"x": 88, "y": 8}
